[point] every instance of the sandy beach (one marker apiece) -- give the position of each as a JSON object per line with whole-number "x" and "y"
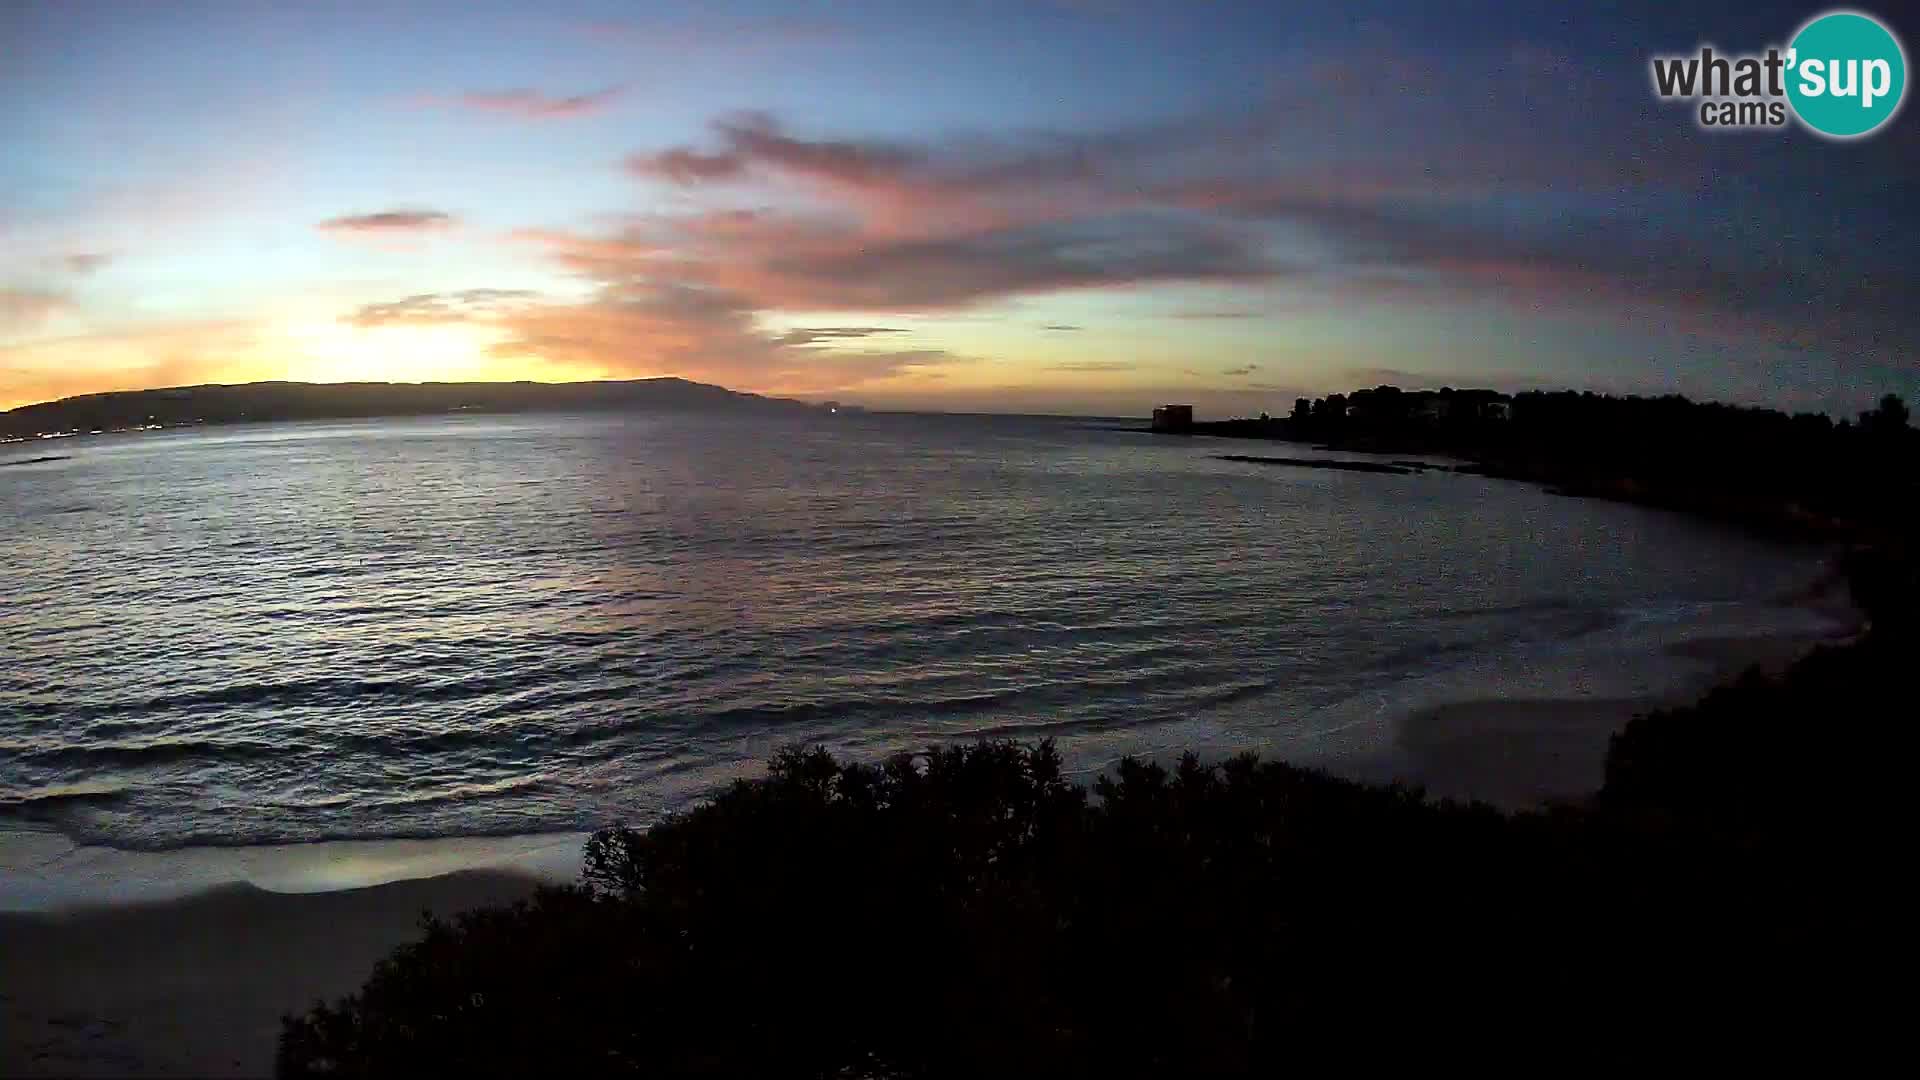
{"x": 197, "y": 986}
{"x": 1522, "y": 753}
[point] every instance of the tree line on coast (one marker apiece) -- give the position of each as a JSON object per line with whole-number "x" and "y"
{"x": 1802, "y": 473}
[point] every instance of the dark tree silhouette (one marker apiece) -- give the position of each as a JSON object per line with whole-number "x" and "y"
{"x": 1889, "y": 419}
{"x": 1800, "y": 474}
{"x": 969, "y": 912}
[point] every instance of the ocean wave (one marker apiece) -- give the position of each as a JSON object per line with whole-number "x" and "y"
{"x": 62, "y": 795}
{"x": 1228, "y": 695}
{"x": 326, "y": 643}
{"x": 336, "y": 691}
{"x": 94, "y": 755}
{"x": 460, "y": 793}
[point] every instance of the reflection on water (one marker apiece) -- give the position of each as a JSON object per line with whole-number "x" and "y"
{"x": 482, "y": 625}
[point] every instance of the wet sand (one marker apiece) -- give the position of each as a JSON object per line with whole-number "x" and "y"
{"x": 1518, "y": 753}
{"x": 197, "y": 986}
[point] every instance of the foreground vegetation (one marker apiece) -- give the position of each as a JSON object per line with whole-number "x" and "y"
{"x": 970, "y": 912}
{"x": 1730, "y": 892}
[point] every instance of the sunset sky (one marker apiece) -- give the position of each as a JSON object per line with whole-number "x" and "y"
{"x": 1076, "y": 207}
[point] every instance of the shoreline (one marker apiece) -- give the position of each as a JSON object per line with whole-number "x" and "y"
{"x": 115, "y": 981}
{"x": 197, "y": 985}
{"x": 47, "y": 873}
{"x": 1527, "y": 753}
{"x": 1516, "y": 737}
{"x": 1781, "y": 520}
{"x": 1531, "y": 736}
{"x": 158, "y": 963}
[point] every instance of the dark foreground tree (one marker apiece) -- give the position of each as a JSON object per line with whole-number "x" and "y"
{"x": 969, "y": 912}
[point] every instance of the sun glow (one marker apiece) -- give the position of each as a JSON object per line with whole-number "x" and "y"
{"x": 335, "y": 351}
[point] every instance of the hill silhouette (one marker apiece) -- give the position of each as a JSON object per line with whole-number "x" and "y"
{"x": 273, "y": 401}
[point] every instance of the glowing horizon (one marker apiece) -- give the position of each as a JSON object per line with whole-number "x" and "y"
{"x": 920, "y": 207}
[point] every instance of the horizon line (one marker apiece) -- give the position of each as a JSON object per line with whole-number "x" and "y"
{"x": 811, "y": 398}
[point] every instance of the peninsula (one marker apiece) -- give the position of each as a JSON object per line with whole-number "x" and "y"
{"x": 180, "y": 406}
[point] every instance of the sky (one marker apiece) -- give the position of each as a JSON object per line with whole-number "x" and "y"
{"x": 1078, "y": 207}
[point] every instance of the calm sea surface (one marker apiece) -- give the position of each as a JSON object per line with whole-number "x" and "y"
{"x": 489, "y": 625}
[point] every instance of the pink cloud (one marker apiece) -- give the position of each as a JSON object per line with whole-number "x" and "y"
{"x": 601, "y": 258}
{"x": 897, "y": 187}
{"x": 85, "y": 262}
{"x": 531, "y": 104}
{"x": 779, "y": 262}
{"x": 389, "y": 221}
{"x": 683, "y": 166}
{"x": 468, "y": 304}
{"x": 1254, "y": 199}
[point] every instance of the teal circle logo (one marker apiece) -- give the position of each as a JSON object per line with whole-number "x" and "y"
{"x": 1846, "y": 74}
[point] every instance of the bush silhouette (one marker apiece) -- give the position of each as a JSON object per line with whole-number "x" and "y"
{"x": 969, "y": 911}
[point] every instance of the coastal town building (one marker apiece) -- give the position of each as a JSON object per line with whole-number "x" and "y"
{"x": 1173, "y": 418}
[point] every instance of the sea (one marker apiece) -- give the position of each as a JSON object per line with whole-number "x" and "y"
{"x": 340, "y": 648}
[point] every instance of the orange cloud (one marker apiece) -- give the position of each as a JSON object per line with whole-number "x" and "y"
{"x": 23, "y": 310}
{"x": 697, "y": 333}
{"x": 171, "y": 355}
{"x": 633, "y": 328}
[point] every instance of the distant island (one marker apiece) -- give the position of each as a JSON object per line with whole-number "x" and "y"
{"x": 126, "y": 410}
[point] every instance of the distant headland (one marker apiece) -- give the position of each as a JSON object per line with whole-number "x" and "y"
{"x": 132, "y": 410}
{"x": 1803, "y": 474}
